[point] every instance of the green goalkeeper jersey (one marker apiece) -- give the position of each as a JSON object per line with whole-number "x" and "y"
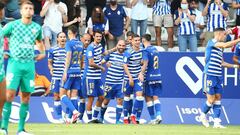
{"x": 22, "y": 39}
{"x": 1, "y": 53}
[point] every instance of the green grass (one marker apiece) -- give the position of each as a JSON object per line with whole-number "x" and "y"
{"x": 107, "y": 129}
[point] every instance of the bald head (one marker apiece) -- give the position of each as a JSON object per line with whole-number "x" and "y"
{"x": 86, "y": 39}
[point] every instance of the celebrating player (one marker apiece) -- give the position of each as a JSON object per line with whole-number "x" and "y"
{"x": 72, "y": 73}
{"x": 23, "y": 34}
{"x": 56, "y": 61}
{"x": 86, "y": 39}
{"x": 93, "y": 80}
{"x": 212, "y": 77}
{"x": 2, "y": 73}
{"x": 153, "y": 79}
{"x": 133, "y": 58}
{"x": 114, "y": 80}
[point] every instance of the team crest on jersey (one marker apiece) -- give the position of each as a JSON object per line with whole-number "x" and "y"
{"x": 118, "y": 12}
{"x": 209, "y": 82}
{"x": 34, "y": 31}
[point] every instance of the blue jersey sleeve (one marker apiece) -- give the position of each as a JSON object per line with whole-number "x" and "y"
{"x": 68, "y": 47}
{"x": 106, "y": 58}
{"x": 126, "y": 57}
{"x": 90, "y": 52}
{"x": 50, "y": 54}
{"x": 145, "y": 55}
{"x": 237, "y": 51}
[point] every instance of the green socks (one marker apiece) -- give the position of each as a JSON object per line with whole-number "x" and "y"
{"x": 23, "y": 114}
{"x": 6, "y": 114}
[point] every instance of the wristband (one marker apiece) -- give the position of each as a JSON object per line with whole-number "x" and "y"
{"x": 42, "y": 52}
{"x": 235, "y": 66}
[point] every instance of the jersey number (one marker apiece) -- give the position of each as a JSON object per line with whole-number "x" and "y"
{"x": 75, "y": 56}
{"x": 155, "y": 62}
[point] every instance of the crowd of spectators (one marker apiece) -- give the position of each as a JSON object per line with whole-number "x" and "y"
{"x": 191, "y": 21}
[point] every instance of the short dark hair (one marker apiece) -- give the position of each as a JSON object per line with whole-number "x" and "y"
{"x": 59, "y": 34}
{"x": 135, "y": 35}
{"x": 1, "y": 6}
{"x": 219, "y": 29}
{"x": 130, "y": 33}
{"x": 147, "y": 37}
{"x": 26, "y": 3}
{"x": 97, "y": 31}
{"x": 196, "y": 1}
{"x": 73, "y": 29}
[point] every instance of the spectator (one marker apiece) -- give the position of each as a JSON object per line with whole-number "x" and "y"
{"x": 116, "y": 14}
{"x": 139, "y": 16}
{"x": 185, "y": 19}
{"x": 98, "y": 22}
{"x": 236, "y": 5}
{"x": 162, "y": 16}
{"x": 202, "y": 4}
{"x": 12, "y": 9}
{"x": 74, "y": 15}
{"x": 42, "y": 86}
{"x": 91, "y": 4}
{"x": 37, "y": 9}
{"x": 55, "y": 13}
{"x": 199, "y": 22}
{"x": 217, "y": 13}
{"x": 175, "y": 4}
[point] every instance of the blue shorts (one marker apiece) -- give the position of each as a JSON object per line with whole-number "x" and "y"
{"x": 128, "y": 90}
{"x": 72, "y": 83}
{"x": 55, "y": 85}
{"x": 94, "y": 87}
{"x": 113, "y": 91}
{"x": 212, "y": 84}
{"x": 82, "y": 93}
{"x": 152, "y": 88}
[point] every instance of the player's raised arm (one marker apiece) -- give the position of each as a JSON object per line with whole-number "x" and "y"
{"x": 227, "y": 44}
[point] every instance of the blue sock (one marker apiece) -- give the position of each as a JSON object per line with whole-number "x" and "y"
{"x": 103, "y": 110}
{"x": 119, "y": 110}
{"x": 150, "y": 108}
{"x": 96, "y": 112}
{"x": 126, "y": 105}
{"x": 81, "y": 108}
{"x": 157, "y": 106}
{"x": 68, "y": 103}
{"x": 206, "y": 107}
{"x": 138, "y": 106}
{"x": 74, "y": 101}
{"x": 217, "y": 109}
{"x": 130, "y": 105}
{"x": 58, "y": 107}
{"x": 89, "y": 115}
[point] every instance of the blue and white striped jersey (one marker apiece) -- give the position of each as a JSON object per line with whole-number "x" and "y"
{"x": 115, "y": 72}
{"x": 93, "y": 52}
{"x": 134, "y": 61}
{"x": 214, "y": 57}
{"x": 238, "y": 9}
{"x": 84, "y": 61}
{"x": 215, "y": 17}
{"x": 58, "y": 56}
{"x": 161, "y": 7}
{"x": 186, "y": 26}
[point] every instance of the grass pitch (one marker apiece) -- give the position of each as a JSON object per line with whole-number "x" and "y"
{"x": 107, "y": 129}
